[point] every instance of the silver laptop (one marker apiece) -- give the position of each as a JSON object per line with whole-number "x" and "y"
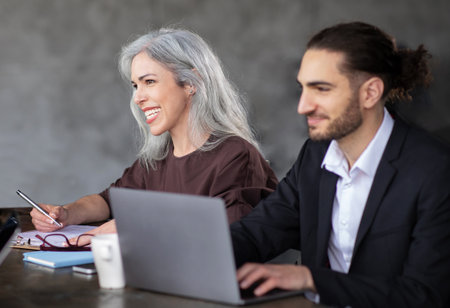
{"x": 178, "y": 244}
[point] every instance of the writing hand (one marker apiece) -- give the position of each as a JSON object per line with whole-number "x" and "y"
{"x": 288, "y": 277}
{"x": 43, "y": 223}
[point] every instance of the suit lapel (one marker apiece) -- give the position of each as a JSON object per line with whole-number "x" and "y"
{"x": 383, "y": 177}
{"x": 327, "y": 190}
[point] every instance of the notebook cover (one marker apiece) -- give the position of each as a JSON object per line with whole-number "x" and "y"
{"x": 56, "y": 259}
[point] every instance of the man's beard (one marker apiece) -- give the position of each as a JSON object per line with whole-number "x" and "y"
{"x": 346, "y": 123}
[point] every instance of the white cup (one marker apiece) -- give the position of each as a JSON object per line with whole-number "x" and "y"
{"x": 108, "y": 261}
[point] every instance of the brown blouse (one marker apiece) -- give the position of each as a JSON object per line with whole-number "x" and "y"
{"x": 234, "y": 171}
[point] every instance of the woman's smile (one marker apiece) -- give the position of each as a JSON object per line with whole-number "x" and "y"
{"x": 151, "y": 113}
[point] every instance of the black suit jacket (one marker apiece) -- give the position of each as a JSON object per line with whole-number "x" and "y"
{"x": 402, "y": 251}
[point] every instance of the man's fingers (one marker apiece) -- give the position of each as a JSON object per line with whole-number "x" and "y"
{"x": 266, "y": 286}
{"x": 270, "y": 276}
{"x": 244, "y": 270}
{"x": 254, "y": 274}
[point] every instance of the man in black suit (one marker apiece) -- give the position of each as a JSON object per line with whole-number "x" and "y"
{"x": 368, "y": 200}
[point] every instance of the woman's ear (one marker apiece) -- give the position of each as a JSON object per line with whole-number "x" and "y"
{"x": 371, "y": 92}
{"x": 189, "y": 89}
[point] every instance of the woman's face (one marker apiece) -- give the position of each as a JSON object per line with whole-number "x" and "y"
{"x": 165, "y": 104}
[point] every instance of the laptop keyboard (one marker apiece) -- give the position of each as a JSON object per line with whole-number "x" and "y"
{"x": 248, "y": 293}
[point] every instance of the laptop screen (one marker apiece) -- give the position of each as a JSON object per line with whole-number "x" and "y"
{"x": 178, "y": 244}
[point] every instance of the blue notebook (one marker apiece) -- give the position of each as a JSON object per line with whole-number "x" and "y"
{"x": 56, "y": 259}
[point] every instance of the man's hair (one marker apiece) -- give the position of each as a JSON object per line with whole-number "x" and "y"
{"x": 217, "y": 108}
{"x": 367, "y": 49}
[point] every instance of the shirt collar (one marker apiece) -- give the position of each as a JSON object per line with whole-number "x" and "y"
{"x": 335, "y": 161}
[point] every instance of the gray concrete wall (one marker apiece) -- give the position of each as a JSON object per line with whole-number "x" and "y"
{"x": 66, "y": 129}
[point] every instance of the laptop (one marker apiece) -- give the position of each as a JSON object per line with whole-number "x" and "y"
{"x": 9, "y": 228}
{"x": 179, "y": 244}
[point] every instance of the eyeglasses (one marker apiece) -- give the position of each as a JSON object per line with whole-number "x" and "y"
{"x": 54, "y": 242}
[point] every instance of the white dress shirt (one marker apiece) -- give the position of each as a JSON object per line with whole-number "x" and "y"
{"x": 352, "y": 190}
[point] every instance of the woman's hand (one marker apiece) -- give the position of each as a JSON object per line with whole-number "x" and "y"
{"x": 107, "y": 227}
{"x": 43, "y": 223}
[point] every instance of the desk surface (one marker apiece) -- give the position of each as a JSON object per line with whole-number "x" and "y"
{"x": 27, "y": 285}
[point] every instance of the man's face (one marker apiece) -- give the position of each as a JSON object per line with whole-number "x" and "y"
{"x": 328, "y": 101}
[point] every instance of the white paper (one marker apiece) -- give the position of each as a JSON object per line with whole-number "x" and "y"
{"x": 70, "y": 231}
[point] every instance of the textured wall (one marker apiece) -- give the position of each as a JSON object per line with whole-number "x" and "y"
{"x": 65, "y": 125}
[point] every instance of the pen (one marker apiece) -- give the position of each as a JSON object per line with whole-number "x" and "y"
{"x": 37, "y": 207}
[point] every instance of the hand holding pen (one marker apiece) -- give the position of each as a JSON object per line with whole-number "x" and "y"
{"x": 46, "y": 218}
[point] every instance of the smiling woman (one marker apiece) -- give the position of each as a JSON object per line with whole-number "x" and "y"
{"x": 166, "y": 105}
{"x": 215, "y": 107}
{"x": 195, "y": 134}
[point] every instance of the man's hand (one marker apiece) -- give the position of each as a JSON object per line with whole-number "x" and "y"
{"x": 107, "y": 227}
{"x": 288, "y": 277}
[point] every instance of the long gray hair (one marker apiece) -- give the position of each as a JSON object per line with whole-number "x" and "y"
{"x": 216, "y": 108}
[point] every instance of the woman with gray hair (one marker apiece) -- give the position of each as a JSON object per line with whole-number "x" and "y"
{"x": 195, "y": 135}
